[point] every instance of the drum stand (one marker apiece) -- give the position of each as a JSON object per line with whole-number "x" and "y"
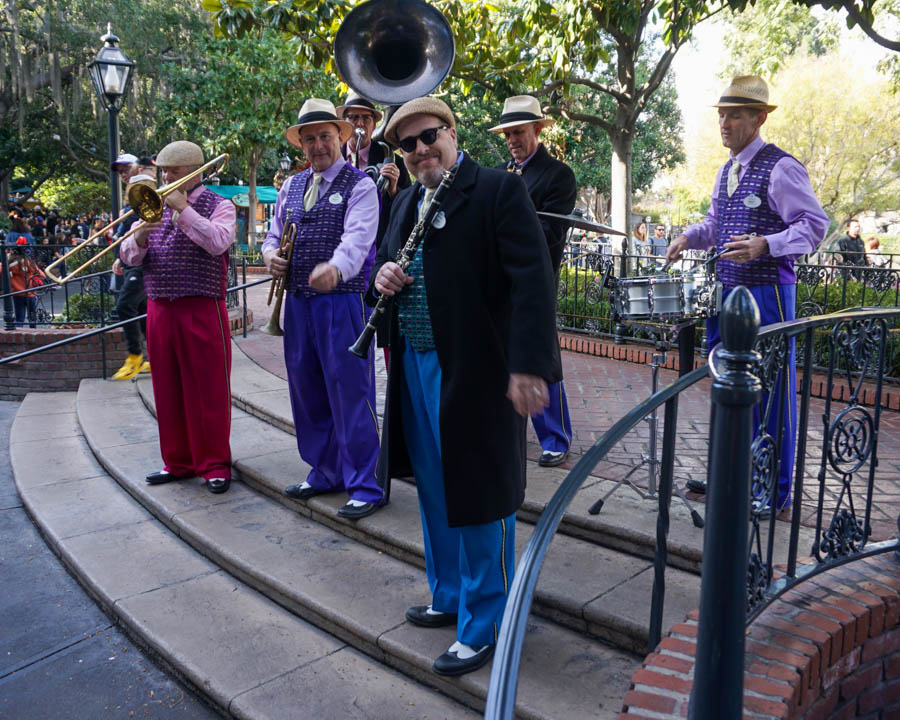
{"x": 651, "y": 459}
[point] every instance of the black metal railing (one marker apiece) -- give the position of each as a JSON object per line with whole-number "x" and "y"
{"x": 230, "y": 299}
{"x": 87, "y": 300}
{"x": 583, "y": 306}
{"x": 751, "y": 377}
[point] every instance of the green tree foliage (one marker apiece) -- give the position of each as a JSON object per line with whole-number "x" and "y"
{"x": 240, "y": 98}
{"x": 73, "y": 195}
{"x": 50, "y": 119}
{"x": 761, "y": 38}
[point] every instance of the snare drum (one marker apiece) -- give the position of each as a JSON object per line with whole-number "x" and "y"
{"x": 668, "y": 298}
{"x": 632, "y": 298}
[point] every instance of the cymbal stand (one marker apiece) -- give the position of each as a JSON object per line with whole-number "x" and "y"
{"x": 651, "y": 458}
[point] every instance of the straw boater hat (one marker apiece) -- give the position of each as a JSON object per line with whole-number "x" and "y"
{"x": 419, "y": 106}
{"x": 355, "y": 101}
{"x": 746, "y": 91}
{"x": 521, "y": 110}
{"x": 316, "y": 111}
{"x": 180, "y": 153}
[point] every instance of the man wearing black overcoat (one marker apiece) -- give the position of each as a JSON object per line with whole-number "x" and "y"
{"x": 551, "y": 185}
{"x": 473, "y": 348}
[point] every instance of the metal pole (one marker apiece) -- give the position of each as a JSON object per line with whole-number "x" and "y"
{"x": 244, "y": 294}
{"x": 9, "y": 316}
{"x": 113, "y": 154}
{"x": 718, "y": 689}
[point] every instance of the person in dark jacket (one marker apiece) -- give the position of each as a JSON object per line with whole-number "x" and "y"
{"x": 551, "y": 185}
{"x": 853, "y": 250}
{"x": 473, "y": 348}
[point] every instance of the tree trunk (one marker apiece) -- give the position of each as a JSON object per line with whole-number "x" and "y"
{"x": 620, "y": 196}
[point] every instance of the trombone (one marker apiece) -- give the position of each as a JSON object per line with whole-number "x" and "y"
{"x": 147, "y": 203}
{"x": 286, "y": 250}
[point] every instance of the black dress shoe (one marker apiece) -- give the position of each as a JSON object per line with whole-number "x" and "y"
{"x": 418, "y": 615}
{"x": 161, "y": 476}
{"x": 218, "y": 485}
{"x": 357, "y": 512}
{"x": 696, "y": 485}
{"x": 552, "y": 459}
{"x": 298, "y": 492}
{"x": 451, "y": 664}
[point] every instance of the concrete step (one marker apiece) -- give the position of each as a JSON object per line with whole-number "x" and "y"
{"x": 586, "y": 587}
{"x": 627, "y": 522}
{"x": 245, "y": 654}
{"x": 356, "y": 592}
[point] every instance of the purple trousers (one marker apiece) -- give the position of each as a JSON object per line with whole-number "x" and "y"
{"x": 332, "y": 393}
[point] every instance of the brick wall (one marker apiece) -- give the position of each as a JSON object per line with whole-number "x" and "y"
{"x": 63, "y": 368}
{"x": 828, "y": 649}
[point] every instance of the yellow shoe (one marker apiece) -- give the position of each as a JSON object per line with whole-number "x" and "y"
{"x": 130, "y": 368}
{"x": 145, "y": 368}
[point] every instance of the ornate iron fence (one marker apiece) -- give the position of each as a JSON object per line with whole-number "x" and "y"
{"x": 751, "y": 380}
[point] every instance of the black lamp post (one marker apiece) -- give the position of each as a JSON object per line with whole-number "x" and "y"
{"x": 111, "y": 72}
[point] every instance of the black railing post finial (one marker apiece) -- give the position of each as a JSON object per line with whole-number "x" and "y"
{"x": 719, "y": 668}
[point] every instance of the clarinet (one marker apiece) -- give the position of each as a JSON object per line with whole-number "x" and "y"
{"x": 419, "y": 233}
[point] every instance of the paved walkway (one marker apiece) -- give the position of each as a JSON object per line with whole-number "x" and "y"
{"x": 601, "y": 390}
{"x": 61, "y": 656}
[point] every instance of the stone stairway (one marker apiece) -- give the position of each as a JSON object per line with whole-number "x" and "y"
{"x": 276, "y": 608}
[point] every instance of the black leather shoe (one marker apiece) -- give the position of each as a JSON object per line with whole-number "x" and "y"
{"x": 418, "y": 615}
{"x": 298, "y": 492}
{"x": 552, "y": 459}
{"x": 357, "y": 512}
{"x": 218, "y": 485}
{"x": 161, "y": 476}
{"x": 696, "y": 485}
{"x": 451, "y": 664}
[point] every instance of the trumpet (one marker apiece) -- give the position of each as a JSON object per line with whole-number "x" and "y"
{"x": 147, "y": 203}
{"x": 276, "y": 289}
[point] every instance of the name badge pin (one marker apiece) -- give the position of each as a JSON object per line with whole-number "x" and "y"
{"x": 335, "y": 198}
{"x": 439, "y": 220}
{"x": 752, "y": 201}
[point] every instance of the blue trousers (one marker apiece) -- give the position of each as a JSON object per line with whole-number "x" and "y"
{"x": 553, "y": 426}
{"x": 332, "y": 393}
{"x": 469, "y": 568}
{"x": 776, "y": 304}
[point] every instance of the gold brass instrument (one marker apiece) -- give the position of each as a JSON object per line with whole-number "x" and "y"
{"x": 147, "y": 203}
{"x": 285, "y": 250}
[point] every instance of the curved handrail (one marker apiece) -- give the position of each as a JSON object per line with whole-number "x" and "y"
{"x": 107, "y": 328}
{"x": 501, "y": 697}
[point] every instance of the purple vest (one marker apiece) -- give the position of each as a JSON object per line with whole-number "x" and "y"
{"x": 741, "y": 214}
{"x": 175, "y": 266}
{"x": 319, "y": 231}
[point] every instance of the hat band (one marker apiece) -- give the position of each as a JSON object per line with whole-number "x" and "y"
{"x": 359, "y": 102}
{"x": 742, "y": 100}
{"x": 317, "y": 116}
{"x": 519, "y": 116}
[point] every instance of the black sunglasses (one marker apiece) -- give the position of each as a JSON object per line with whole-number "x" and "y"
{"x": 408, "y": 144}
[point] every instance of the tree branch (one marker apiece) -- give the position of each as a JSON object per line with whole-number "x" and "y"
{"x": 867, "y": 28}
{"x": 581, "y": 117}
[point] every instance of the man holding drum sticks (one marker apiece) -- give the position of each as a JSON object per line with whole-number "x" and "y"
{"x": 764, "y": 212}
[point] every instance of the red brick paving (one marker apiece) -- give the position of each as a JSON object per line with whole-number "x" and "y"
{"x": 601, "y": 390}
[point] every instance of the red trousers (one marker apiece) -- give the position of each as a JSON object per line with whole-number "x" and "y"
{"x": 189, "y": 344}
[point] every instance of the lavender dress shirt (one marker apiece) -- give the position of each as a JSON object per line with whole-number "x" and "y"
{"x": 360, "y": 221}
{"x": 214, "y": 234}
{"x": 790, "y": 196}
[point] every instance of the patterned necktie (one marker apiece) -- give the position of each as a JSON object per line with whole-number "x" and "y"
{"x": 426, "y": 201}
{"x": 312, "y": 192}
{"x": 733, "y": 177}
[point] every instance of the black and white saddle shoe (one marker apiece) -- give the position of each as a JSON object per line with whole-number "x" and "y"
{"x": 552, "y": 459}
{"x": 356, "y": 510}
{"x": 218, "y": 485}
{"x": 424, "y": 616}
{"x": 697, "y": 485}
{"x": 161, "y": 476}
{"x": 302, "y": 491}
{"x": 461, "y": 659}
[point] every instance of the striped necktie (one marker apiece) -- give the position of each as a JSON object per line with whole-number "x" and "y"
{"x": 426, "y": 201}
